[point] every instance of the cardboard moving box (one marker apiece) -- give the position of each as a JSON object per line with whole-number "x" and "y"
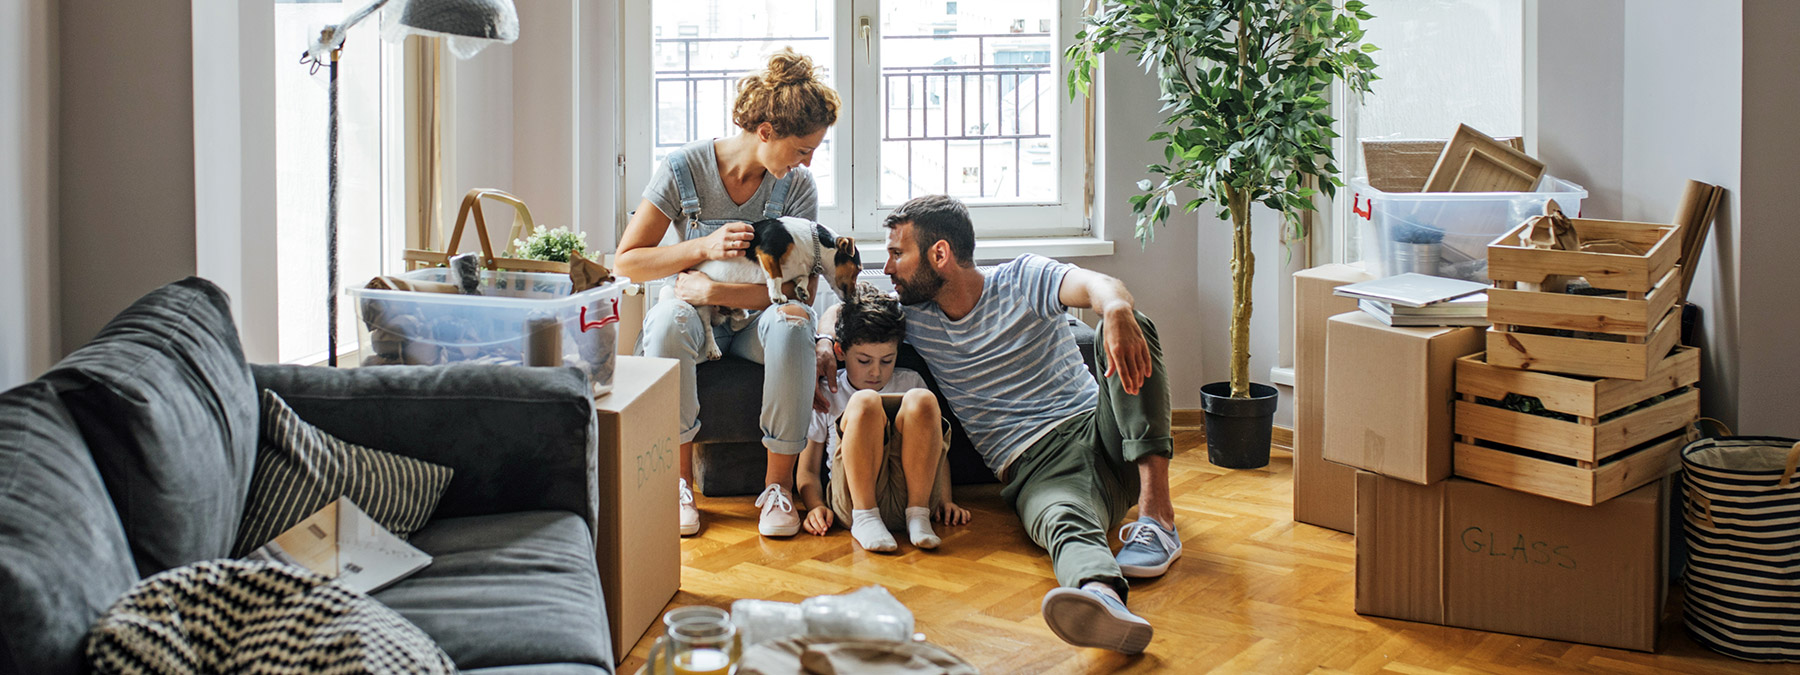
{"x": 1471, "y": 555}
{"x": 1324, "y": 493}
{"x": 639, "y": 542}
{"x": 1392, "y": 390}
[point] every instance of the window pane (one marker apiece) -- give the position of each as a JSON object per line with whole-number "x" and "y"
{"x": 970, "y": 98}
{"x": 1442, "y": 63}
{"x": 1445, "y": 63}
{"x": 702, "y": 47}
{"x": 300, "y": 161}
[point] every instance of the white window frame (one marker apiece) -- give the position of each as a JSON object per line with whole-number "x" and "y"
{"x": 856, "y": 210}
{"x": 391, "y": 68}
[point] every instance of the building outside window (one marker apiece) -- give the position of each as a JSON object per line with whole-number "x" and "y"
{"x": 940, "y": 98}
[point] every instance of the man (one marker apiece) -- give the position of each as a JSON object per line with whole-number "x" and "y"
{"x": 1074, "y": 454}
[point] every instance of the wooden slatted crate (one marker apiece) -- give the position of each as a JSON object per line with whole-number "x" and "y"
{"x": 1590, "y": 458}
{"x": 1613, "y": 337}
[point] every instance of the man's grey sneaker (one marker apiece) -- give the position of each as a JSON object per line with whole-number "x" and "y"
{"x": 1095, "y": 619}
{"x": 1148, "y": 549}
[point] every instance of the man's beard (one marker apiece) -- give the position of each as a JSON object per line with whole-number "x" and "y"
{"x": 922, "y": 286}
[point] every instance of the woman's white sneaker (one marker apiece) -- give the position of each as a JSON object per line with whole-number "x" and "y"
{"x": 690, "y": 515}
{"x": 778, "y": 517}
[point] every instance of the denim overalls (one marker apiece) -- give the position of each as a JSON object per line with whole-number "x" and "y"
{"x": 782, "y": 344}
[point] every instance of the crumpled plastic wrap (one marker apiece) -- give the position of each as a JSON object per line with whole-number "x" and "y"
{"x": 760, "y": 621}
{"x": 868, "y": 613}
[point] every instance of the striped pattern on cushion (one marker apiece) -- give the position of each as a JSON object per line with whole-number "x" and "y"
{"x": 255, "y": 618}
{"x": 300, "y": 469}
{"x": 1743, "y": 536}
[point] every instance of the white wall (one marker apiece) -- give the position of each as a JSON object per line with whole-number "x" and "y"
{"x": 478, "y": 136}
{"x": 234, "y": 165}
{"x": 565, "y": 80}
{"x": 1578, "y": 101}
{"x": 28, "y": 313}
{"x": 1682, "y": 110}
{"x": 1705, "y": 91}
{"x": 1174, "y": 278}
{"x": 125, "y": 174}
{"x": 1769, "y": 237}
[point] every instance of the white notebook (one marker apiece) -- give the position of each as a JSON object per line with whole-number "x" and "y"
{"x": 1411, "y": 289}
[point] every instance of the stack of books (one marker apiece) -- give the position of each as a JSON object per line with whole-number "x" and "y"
{"x": 1421, "y": 300}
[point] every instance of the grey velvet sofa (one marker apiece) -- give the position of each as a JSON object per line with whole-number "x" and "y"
{"x": 728, "y": 452}
{"x": 133, "y": 455}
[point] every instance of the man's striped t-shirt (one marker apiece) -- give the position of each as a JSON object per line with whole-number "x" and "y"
{"x": 1010, "y": 368}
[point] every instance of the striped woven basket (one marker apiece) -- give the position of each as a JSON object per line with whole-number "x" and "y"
{"x": 1743, "y": 537}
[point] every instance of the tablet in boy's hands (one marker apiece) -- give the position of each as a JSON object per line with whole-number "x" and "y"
{"x": 891, "y": 402}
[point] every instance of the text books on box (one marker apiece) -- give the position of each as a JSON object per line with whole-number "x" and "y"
{"x": 1414, "y": 299}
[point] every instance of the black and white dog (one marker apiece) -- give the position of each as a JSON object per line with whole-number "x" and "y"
{"x": 784, "y": 253}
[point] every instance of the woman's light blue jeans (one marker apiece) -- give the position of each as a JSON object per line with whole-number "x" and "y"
{"x": 782, "y": 343}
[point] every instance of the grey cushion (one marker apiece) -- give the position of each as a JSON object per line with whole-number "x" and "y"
{"x": 165, "y": 402}
{"x": 519, "y": 439}
{"x": 508, "y": 589}
{"x": 63, "y": 557}
{"x": 300, "y": 469}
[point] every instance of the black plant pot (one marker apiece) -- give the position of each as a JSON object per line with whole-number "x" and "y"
{"x": 1238, "y": 429}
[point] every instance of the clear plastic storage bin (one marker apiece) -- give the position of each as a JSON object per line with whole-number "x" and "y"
{"x": 520, "y": 318}
{"x": 1446, "y": 233}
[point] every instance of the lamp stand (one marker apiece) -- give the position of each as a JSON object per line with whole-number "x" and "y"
{"x": 331, "y": 215}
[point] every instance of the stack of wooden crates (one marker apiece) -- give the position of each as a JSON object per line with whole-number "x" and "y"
{"x": 1579, "y": 397}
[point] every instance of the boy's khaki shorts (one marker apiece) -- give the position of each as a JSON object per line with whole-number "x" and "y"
{"x": 890, "y": 477}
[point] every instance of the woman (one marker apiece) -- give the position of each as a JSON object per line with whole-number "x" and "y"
{"x": 710, "y": 190}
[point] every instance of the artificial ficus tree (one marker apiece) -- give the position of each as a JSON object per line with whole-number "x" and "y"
{"x": 1245, "y": 88}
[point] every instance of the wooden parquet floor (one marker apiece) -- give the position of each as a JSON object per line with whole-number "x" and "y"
{"x": 1254, "y": 592}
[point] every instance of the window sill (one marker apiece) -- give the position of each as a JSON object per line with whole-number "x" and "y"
{"x": 874, "y": 254}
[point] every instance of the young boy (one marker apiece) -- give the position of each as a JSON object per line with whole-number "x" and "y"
{"x": 887, "y": 469}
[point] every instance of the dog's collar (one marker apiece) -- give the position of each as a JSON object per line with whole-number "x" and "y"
{"x": 818, "y": 254}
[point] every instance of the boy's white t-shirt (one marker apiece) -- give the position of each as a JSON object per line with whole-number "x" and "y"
{"x": 904, "y": 379}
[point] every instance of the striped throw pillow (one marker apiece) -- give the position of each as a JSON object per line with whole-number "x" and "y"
{"x": 300, "y": 469}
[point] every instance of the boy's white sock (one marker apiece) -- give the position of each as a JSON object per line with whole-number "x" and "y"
{"x": 918, "y": 525}
{"x": 867, "y": 528}
{"x": 1097, "y": 587}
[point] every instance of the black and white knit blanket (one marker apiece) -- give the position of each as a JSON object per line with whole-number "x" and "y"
{"x": 233, "y": 616}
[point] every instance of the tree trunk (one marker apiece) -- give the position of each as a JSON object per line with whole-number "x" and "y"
{"x": 1243, "y": 269}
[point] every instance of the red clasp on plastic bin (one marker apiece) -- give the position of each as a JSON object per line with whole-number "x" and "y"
{"x": 587, "y": 325}
{"x": 1356, "y": 207}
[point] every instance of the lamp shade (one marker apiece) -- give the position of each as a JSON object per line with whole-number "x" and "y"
{"x": 469, "y": 25}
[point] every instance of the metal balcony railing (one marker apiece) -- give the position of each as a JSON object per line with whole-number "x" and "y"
{"x": 1007, "y": 96}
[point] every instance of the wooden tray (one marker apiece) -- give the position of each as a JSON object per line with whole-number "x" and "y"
{"x": 1636, "y": 314}
{"x": 1474, "y": 162}
{"x": 1585, "y": 461}
{"x": 1508, "y": 261}
{"x": 1633, "y": 359}
{"x": 1558, "y": 480}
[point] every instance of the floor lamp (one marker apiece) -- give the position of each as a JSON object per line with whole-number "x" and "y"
{"x": 468, "y": 25}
